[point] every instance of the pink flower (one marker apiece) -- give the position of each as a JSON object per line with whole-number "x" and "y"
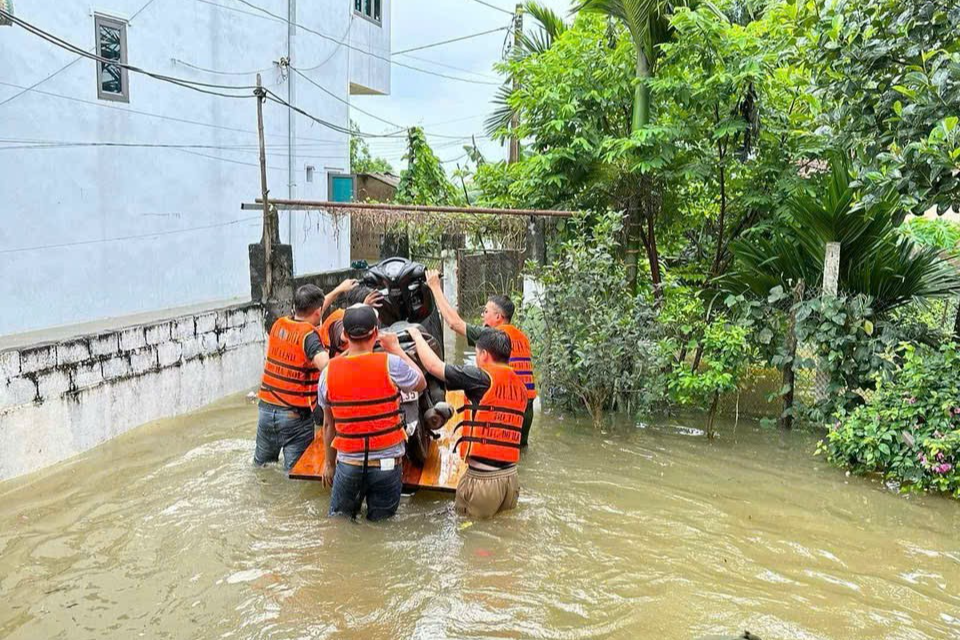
{"x": 939, "y": 456}
{"x": 956, "y": 411}
{"x": 943, "y": 468}
{"x": 911, "y": 401}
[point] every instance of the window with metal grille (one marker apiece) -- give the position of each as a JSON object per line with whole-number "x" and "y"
{"x": 370, "y": 9}
{"x": 6, "y": 5}
{"x": 112, "y": 80}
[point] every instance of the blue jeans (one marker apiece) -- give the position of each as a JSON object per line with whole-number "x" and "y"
{"x": 280, "y": 428}
{"x": 381, "y": 489}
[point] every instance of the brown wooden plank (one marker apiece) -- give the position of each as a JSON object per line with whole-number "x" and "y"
{"x": 441, "y": 472}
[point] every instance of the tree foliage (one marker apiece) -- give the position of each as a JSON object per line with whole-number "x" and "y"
{"x": 361, "y": 160}
{"x": 889, "y": 74}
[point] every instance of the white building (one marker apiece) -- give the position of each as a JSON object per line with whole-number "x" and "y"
{"x": 121, "y": 193}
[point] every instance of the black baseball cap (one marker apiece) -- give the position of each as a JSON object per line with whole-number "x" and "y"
{"x": 359, "y": 321}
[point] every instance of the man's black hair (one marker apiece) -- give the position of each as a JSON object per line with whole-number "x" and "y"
{"x": 505, "y": 304}
{"x": 307, "y": 299}
{"x": 496, "y": 343}
{"x": 355, "y": 296}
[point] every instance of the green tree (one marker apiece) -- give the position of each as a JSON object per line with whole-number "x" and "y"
{"x": 424, "y": 181}
{"x": 889, "y": 72}
{"x": 361, "y": 161}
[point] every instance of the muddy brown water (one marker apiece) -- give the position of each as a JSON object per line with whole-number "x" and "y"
{"x": 646, "y": 531}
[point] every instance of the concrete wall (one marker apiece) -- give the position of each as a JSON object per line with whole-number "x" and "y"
{"x": 90, "y": 232}
{"x": 58, "y": 399}
{"x": 370, "y": 74}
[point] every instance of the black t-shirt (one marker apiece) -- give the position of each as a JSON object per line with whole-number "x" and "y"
{"x": 473, "y": 381}
{"x": 311, "y": 345}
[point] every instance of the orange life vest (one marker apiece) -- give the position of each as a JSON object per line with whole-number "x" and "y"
{"x": 365, "y": 403}
{"x": 492, "y": 428}
{"x": 327, "y": 325}
{"x": 521, "y": 359}
{"x": 289, "y": 377}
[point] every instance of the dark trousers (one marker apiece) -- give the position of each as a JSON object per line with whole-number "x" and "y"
{"x": 527, "y": 421}
{"x": 282, "y": 429}
{"x": 381, "y": 489}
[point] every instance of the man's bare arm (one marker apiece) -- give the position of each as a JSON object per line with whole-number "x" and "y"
{"x": 341, "y": 288}
{"x": 449, "y": 314}
{"x": 330, "y": 461}
{"x": 321, "y": 360}
{"x": 391, "y": 344}
{"x": 431, "y": 361}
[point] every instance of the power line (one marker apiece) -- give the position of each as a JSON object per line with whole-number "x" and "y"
{"x": 134, "y": 237}
{"x": 221, "y": 73}
{"x": 198, "y": 123}
{"x": 249, "y": 13}
{"x": 69, "y": 64}
{"x": 449, "y": 66}
{"x": 203, "y": 87}
{"x": 346, "y": 102}
{"x": 364, "y": 51}
{"x": 452, "y": 40}
{"x": 493, "y": 6}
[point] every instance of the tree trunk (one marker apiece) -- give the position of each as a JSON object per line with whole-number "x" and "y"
{"x": 653, "y": 255}
{"x": 712, "y": 416}
{"x": 956, "y": 322}
{"x": 637, "y": 209}
{"x": 633, "y": 235}
{"x": 788, "y": 376}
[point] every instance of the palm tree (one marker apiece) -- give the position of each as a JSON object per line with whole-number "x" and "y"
{"x": 649, "y": 26}
{"x": 874, "y": 259}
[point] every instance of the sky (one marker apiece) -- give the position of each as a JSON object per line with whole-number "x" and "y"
{"x": 442, "y": 106}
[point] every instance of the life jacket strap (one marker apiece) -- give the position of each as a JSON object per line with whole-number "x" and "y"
{"x": 489, "y": 441}
{"x": 364, "y": 403}
{"x": 371, "y": 434}
{"x": 489, "y": 407}
{"x": 379, "y": 416}
{"x": 292, "y": 367}
{"x": 490, "y": 425}
{"x": 276, "y": 390}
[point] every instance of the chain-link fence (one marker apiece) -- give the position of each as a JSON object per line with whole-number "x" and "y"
{"x": 481, "y": 274}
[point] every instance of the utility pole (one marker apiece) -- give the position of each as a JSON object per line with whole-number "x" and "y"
{"x": 515, "y": 118}
{"x": 267, "y": 239}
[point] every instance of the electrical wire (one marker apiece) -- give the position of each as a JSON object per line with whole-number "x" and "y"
{"x": 450, "y": 66}
{"x": 133, "y": 237}
{"x": 338, "y": 98}
{"x": 452, "y": 40}
{"x": 69, "y": 64}
{"x": 198, "y": 123}
{"x": 221, "y": 73}
{"x": 249, "y": 13}
{"x": 493, "y": 6}
{"x": 202, "y": 87}
{"x": 364, "y": 51}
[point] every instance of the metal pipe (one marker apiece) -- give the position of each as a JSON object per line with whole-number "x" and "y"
{"x": 295, "y": 205}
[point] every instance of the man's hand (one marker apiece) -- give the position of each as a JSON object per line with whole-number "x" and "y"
{"x": 329, "y": 468}
{"x": 390, "y": 342}
{"x": 374, "y": 299}
{"x": 344, "y": 286}
{"x": 415, "y": 333}
{"x": 433, "y": 279}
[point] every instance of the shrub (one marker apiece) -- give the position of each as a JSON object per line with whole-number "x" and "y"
{"x": 909, "y": 428}
{"x": 596, "y": 342}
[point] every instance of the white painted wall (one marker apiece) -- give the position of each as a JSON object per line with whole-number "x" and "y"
{"x": 77, "y": 201}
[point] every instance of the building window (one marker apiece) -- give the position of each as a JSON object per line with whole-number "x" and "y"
{"x": 112, "y": 82}
{"x": 370, "y": 9}
{"x": 310, "y": 171}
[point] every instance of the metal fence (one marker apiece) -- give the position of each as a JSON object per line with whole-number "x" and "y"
{"x": 485, "y": 273}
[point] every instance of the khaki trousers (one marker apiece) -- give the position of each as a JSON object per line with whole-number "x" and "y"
{"x": 483, "y": 494}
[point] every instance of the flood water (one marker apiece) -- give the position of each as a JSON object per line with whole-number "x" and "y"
{"x": 646, "y": 531}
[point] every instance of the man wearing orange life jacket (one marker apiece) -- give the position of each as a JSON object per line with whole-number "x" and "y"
{"x": 488, "y": 438}
{"x": 363, "y": 427}
{"x": 497, "y": 313}
{"x": 288, "y": 388}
